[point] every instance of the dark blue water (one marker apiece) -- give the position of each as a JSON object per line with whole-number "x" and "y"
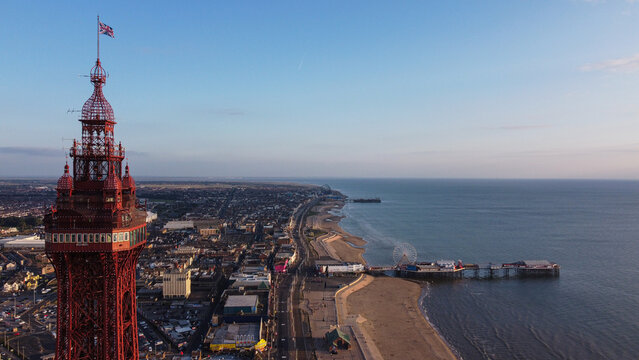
{"x": 591, "y": 228}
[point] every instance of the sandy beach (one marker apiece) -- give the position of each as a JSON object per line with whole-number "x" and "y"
{"x": 387, "y": 310}
{"x": 383, "y": 311}
{"x": 336, "y": 243}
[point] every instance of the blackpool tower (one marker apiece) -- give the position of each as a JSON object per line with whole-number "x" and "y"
{"x": 94, "y": 236}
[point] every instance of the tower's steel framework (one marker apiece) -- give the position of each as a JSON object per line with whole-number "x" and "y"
{"x": 94, "y": 236}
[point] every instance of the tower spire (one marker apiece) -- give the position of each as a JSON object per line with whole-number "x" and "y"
{"x": 93, "y": 236}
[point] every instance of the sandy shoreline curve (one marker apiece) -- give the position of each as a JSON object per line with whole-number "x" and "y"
{"x": 333, "y": 241}
{"x": 377, "y": 308}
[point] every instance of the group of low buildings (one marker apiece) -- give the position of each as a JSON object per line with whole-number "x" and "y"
{"x": 188, "y": 253}
{"x": 213, "y": 250}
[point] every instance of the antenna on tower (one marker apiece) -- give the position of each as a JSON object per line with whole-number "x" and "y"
{"x": 62, "y": 140}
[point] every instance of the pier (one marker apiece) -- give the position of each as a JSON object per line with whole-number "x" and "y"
{"x": 447, "y": 270}
{"x": 371, "y": 200}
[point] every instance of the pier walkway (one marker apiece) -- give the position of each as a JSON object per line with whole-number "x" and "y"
{"x": 449, "y": 270}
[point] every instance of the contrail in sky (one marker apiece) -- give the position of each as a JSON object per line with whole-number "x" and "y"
{"x": 299, "y": 67}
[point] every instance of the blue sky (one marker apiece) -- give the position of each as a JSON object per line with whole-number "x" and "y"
{"x": 463, "y": 89}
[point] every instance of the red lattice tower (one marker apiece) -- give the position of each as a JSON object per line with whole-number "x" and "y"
{"x": 94, "y": 236}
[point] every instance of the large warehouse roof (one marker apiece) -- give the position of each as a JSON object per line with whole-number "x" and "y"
{"x": 241, "y": 301}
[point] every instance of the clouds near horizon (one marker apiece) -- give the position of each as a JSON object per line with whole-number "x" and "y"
{"x": 331, "y": 88}
{"x": 628, "y": 64}
{"x": 30, "y": 151}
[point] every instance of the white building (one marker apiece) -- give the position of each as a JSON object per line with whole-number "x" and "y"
{"x": 446, "y": 264}
{"x": 151, "y": 216}
{"x": 10, "y": 230}
{"x": 11, "y": 287}
{"x": 179, "y": 225}
{"x": 176, "y": 284}
{"x": 23, "y": 241}
{"x": 344, "y": 268}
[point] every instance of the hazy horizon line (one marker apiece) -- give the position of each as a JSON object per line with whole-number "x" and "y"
{"x": 292, "y": 178}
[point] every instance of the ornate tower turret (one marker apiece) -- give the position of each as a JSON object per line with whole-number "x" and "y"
{"x": 65, "y": 183}
{"x": 94, "y": 238}
{"x": 127, "y": 181}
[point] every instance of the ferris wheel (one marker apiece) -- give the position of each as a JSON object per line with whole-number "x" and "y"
{"x": 404, "y": 253}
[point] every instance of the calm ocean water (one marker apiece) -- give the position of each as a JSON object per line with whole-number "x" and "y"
{"x": 591, "y": 228}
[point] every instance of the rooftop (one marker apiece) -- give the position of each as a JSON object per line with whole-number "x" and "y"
{"x": 241, "y": 301}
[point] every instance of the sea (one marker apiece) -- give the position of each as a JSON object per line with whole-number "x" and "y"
{"x": 589, "y": 227}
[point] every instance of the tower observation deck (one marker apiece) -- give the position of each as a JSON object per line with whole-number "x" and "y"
{"x": 94, "y": 236}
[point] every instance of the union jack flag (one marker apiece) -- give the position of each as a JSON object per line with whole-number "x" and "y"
{"x": 106, "y": 30}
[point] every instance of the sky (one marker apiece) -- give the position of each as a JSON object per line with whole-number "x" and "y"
{"x": 417, "y": 89}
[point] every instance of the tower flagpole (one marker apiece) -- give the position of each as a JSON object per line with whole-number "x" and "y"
{"x": 98, "y": 37}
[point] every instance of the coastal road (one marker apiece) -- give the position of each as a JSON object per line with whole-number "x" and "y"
{"x": 284, "y": 334}
{"x": 291, "y": 331}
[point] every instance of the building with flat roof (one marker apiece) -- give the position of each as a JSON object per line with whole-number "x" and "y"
{"x": 236, "y": 304}
{"x": 179, "y": 225}
{"x": 209, "y": 231}
{"x": 24, "y": 241}
{"x": 233, "y": 336}
{"x": 176, "y": 284}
